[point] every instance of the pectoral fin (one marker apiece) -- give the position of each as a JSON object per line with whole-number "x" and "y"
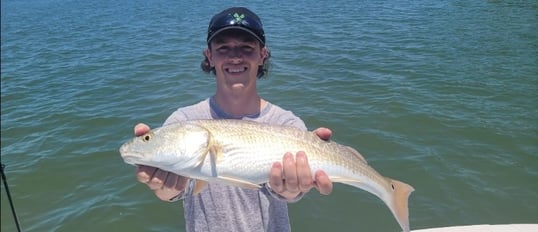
{"x": 199, "y": 185}
{"x": 238, "y": 182}
{"x": 215, "y": 152}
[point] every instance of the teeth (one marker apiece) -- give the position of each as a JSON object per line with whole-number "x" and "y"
{"x": 236, "y": 70}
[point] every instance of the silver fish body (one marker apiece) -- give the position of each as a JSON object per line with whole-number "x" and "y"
{"x": 241, "y": 153}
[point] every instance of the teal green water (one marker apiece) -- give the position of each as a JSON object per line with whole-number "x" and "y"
{"x": 442, "y": 95}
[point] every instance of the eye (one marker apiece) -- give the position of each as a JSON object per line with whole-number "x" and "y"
{"x": 146, "y": 137}
{"x": 222, "y": 49}
{"x": 247, "y": 49}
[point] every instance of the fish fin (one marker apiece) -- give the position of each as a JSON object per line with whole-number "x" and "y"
{"x": 215, "y": 154}
{"x": 357, "y": 154}
{"x": 398, "y": 203}
{"x": 400, "y": 198}
{"x": 238, "y": 182}
{"x": 215, "y": 150}
{"x": 199, "y": 185}
{"x": 344, "y": 180}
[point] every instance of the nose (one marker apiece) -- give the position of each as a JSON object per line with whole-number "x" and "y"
{"x": 235, "y": 55}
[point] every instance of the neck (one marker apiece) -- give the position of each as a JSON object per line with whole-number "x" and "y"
{"x": 239, "y": 106}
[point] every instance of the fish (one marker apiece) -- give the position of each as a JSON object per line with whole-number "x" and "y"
{"x": 241, "y": 153}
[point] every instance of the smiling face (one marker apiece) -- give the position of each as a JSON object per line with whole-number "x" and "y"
{"x": 236, "y": 56}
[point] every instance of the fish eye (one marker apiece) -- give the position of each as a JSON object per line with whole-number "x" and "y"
{"x": 392, "y": 185}
{"x": 146, "y": 138}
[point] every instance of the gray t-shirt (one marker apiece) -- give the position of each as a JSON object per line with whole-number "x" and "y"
{"x": 223, "y": 208}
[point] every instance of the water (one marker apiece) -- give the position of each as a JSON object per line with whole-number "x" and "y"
{"x": 442, "y": 95}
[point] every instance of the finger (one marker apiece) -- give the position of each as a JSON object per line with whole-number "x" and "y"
{"x": 170, "y": 181}
{"x": 141, "y": 129}
{"x": 323, "y": 133}
{"x": 173, "y": 186}
{"x": 275, "y": 178}
{"x": 290, "y": 173}
{"x": 304, "y": 174}
{"x": 166, "y": 194}
{"x": 144, "y": 173}
{"x": 323, "y": 184}
{"x": 175, "y": 182}
{"x": 181, "y": 183}
{"x": 158, "y": 179}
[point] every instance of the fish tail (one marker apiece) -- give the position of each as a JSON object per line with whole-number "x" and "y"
{"x": 399, "y": 205}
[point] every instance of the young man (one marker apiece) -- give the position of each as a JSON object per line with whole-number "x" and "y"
{"x": 237, "y": 55}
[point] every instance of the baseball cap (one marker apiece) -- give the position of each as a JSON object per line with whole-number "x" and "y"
{"x": 236, "y": 18}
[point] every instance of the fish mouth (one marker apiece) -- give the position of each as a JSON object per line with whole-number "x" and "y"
{"x": 129, "y": 160}
{"x": 128, "y": 156}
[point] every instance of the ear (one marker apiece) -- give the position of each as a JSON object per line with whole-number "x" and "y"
{"x": 263, "y": 55}
{"x": 207, "y": 54}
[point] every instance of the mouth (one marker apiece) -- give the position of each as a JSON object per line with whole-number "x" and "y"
{"x": 129, "y": 161}
{"x": 127, "y": 156}
{"x": 132, "y": 159}
{"x": 236, "y": 70}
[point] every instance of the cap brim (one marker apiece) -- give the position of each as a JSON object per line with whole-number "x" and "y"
{"x": 232, "y": 28}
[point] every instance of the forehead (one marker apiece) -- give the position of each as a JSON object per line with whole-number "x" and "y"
{"x": 234, "y": 34}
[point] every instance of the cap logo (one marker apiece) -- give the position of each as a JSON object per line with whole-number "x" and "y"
{"x": 239, "y": 17}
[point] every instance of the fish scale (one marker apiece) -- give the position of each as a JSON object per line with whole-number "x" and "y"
{"x": 292, "y": 140}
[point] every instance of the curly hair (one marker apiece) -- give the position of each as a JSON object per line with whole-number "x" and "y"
{"x": 262, "y": 69}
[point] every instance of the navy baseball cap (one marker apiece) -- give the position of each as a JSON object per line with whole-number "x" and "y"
{"x": 236, "y": 18}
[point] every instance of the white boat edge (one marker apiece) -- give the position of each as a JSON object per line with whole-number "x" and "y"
{"x": 485, "y": 228}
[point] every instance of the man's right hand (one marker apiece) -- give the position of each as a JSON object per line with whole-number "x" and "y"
{"x": 166, "y": 185}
